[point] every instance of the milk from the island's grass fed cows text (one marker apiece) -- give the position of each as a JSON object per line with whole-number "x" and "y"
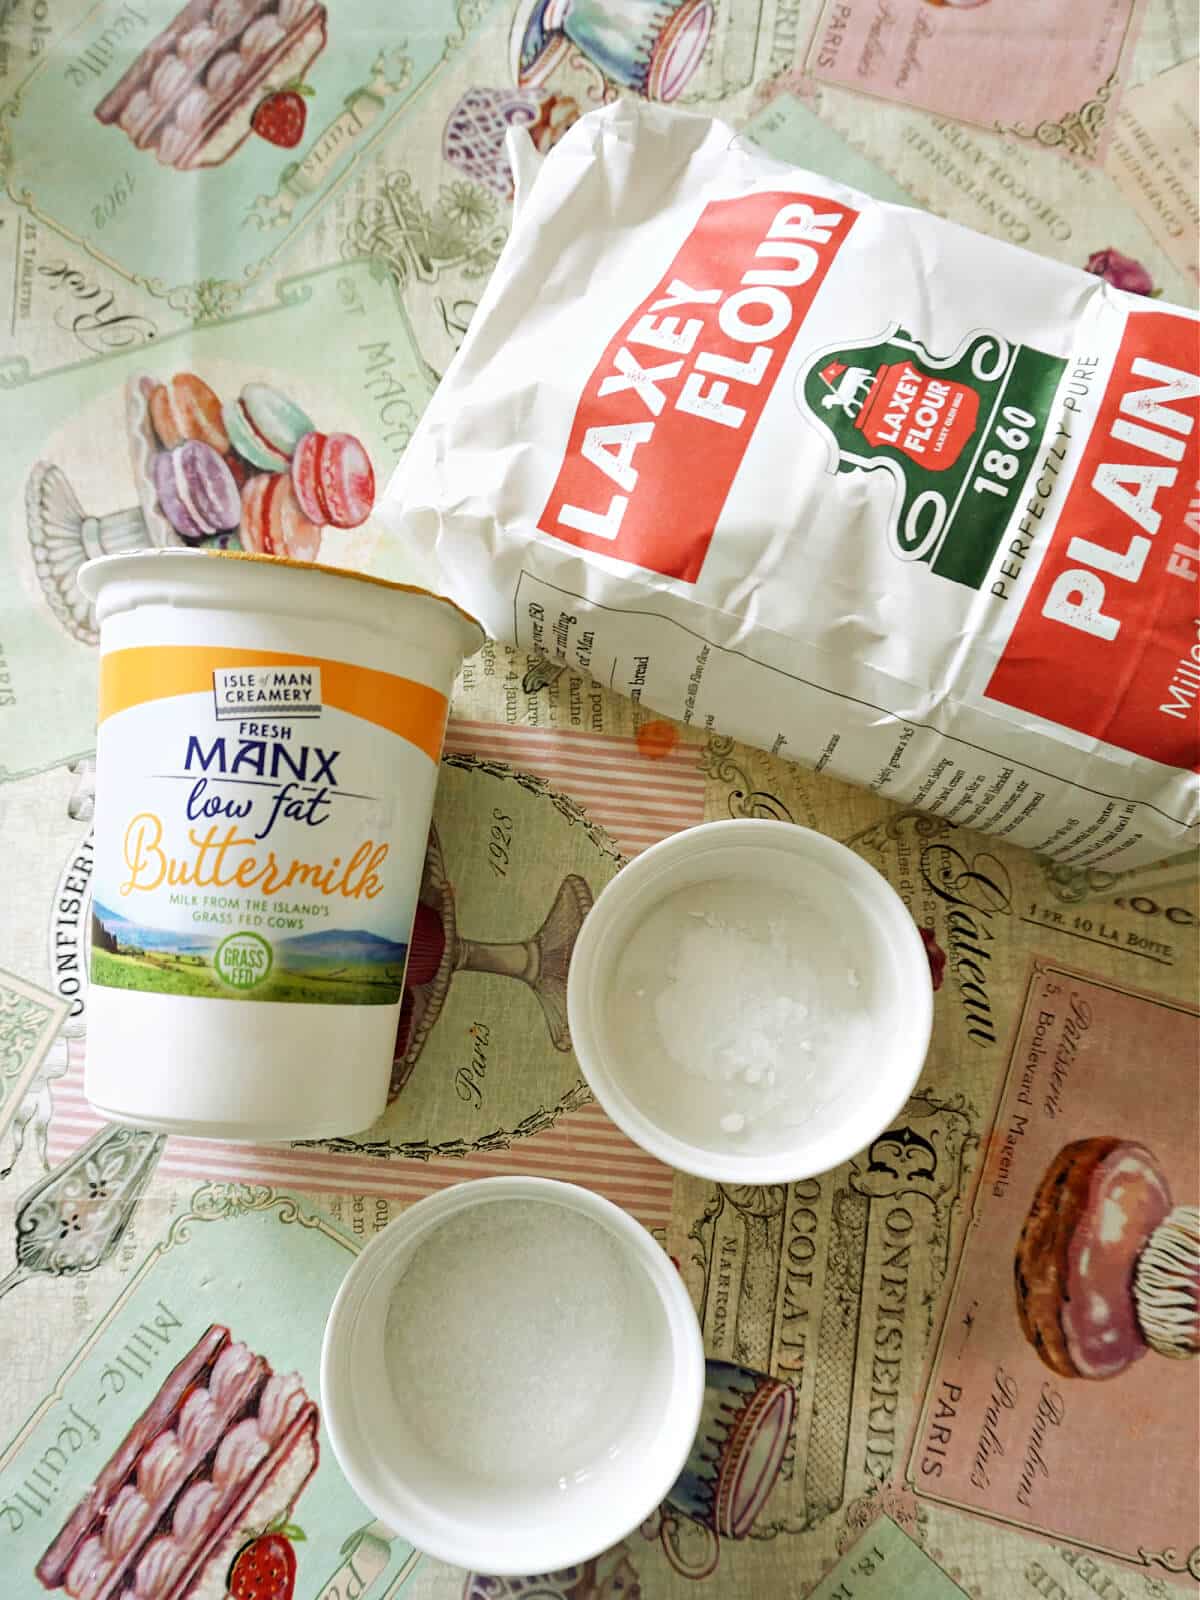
{"x": 835, "y": 477}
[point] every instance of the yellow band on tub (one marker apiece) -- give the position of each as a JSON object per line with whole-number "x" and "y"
{"x": 412, "y": 710}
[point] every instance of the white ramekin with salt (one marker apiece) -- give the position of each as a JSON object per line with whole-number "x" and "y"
{"x": 750, "y": 1001}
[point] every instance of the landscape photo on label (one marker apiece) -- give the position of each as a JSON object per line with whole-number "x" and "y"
{"x": 334, "y": 966}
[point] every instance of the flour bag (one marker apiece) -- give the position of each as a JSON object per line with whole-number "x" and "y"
{"x": 835, "y": 477}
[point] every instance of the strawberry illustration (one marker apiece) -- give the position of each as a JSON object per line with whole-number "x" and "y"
{"x": 265, "y": 1568}
{"x": 281, "y": 116}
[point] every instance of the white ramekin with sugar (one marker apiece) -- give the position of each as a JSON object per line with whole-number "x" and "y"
{"x": 512, "y": 1374}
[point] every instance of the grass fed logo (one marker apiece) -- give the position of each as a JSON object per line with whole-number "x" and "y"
{"x": 243, "y": 960}
{"x": 267, "y": 691}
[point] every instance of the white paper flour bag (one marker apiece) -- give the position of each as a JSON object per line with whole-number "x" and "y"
{"x": 835, "y": 477}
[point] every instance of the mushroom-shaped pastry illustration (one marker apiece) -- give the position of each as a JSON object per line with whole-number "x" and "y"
{"x": 1108, "y": 1266}
{"x": 62, "y": 535}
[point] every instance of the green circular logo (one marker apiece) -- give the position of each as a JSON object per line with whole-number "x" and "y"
{"x": 243, "y": 960}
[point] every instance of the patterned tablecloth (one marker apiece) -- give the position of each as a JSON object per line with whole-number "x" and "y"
{"x": 876, "y": 1423}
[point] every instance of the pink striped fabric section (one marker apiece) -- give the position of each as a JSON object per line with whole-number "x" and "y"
{"x": 638, "y": 802}
{"x": 583, "y": 1147}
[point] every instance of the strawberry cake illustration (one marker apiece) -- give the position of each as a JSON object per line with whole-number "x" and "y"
{"x": 195, "y": 1497}
{"x": 252, "y": 472}
{"x": 220, "y": 70}
{"x": 1108, "y": 1266}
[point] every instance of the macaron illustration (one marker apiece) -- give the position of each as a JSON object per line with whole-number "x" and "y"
{"x": 264, "y": 426}
{"x": 186, "y": 408}
{"x": 196, "y": 490}
{"x": 1107, "y": 1266}
{"x": 333, "y": 479}
{"x": 273, "y": 523}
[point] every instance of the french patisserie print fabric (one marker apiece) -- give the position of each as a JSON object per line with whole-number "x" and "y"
{"x": 251, "y": 473}
{"x": 1069, "y": 1351}
{"x": 224, "y": 1448}
{"x": 268, "y": 434}
{"x": 244, "y": 112}
{"x": 182, "y": 1452}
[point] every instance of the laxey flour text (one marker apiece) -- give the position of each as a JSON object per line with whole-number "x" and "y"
{"x": 669, "y": 412}
{"x": 838, "y": 479}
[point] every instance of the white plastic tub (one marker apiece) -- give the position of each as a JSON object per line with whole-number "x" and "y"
{"x": 268, "y": 748}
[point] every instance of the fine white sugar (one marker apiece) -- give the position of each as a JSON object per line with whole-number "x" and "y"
{"x": 741, "y": 1011}
{"x": 511, "y": 1342}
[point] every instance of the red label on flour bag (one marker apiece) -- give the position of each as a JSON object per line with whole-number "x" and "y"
{"x": 666, "y": 417}
{"x": 1115, "y": 603}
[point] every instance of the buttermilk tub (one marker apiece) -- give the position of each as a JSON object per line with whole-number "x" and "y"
{"x": 267, "y": 752}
